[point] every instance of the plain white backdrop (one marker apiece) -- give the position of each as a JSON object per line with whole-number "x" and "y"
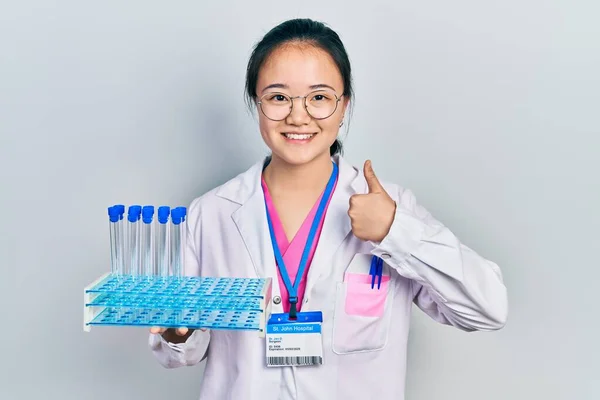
{"x": 488, "y": 111}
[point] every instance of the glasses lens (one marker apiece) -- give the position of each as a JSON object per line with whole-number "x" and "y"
{"x": 321, "y": 104}
{"x": 276, "y": 106}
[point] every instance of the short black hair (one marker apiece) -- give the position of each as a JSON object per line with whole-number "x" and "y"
{"x": 300, "y": 30}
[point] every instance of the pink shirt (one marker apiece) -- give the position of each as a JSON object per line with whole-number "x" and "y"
{"x": 291, "y": 252}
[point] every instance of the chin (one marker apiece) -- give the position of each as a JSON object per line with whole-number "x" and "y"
{"x": 300, "y": 156}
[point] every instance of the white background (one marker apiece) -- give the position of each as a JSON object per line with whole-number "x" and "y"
{"x": 487, "y": 110}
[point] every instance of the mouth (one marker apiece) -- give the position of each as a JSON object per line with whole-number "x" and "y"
{"x": 298, "y": 137}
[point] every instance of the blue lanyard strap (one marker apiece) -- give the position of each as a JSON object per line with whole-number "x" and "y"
{"x": 293, "y": 289}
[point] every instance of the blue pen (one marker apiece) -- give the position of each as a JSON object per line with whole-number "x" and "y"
{"x": 379, "y": 272}
{"x": 376, "y": 271}
{"x": 373, "y": 270}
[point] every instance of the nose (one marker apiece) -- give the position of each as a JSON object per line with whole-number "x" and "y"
{"x": 298, "y": 115}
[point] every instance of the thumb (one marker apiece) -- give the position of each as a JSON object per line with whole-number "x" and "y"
{"x": 372, "y": 181}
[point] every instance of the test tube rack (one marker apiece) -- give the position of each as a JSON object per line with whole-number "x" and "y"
{"x": 192, "y": 302}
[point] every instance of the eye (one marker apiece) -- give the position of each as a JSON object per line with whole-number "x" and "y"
{"x": 321, "y": 97}
{"x": 277, "y": 98}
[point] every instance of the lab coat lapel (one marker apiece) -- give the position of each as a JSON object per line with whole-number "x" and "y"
{"x": 251, "y": 221}
{"x": 336, "y": 226}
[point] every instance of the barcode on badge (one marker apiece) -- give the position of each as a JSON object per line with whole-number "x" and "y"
{"x": 280, "y": 361}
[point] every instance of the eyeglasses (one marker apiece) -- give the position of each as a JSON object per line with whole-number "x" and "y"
{"x": 319, "y": 104}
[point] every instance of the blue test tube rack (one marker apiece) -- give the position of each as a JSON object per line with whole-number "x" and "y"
{"x": 126, "y": 298}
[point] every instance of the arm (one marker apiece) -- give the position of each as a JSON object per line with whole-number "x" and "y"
{"x": 171, "y": 349}
{"x": 451, "y": 283}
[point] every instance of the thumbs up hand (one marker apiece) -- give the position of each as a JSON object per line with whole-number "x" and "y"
{"x": 371, "y": 214}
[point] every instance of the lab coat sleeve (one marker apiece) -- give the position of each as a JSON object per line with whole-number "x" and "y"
{"x": 451, "y": 283}
{"x": 195, "y": 348}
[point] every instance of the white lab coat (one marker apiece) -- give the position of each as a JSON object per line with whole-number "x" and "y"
{"x": 363, "y": 357}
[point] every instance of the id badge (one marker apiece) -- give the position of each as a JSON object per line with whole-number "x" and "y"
{"x": 294, "y": 342}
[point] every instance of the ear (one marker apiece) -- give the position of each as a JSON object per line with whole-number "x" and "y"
{"x": 256, "y": 106}
{"x": 345, "y": 103}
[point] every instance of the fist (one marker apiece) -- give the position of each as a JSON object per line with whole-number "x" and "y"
{"x": 172, "y": 335}
{"x": 371, "y": 214}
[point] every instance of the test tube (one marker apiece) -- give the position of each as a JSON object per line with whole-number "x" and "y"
{"x": 133, "y": 216}
{"x": 176, "y": 216}
{"x": 162, "y": 242}
{"x": 183, "y": 238}
{"x": 120, "y": 208}
{"x": 146, "y": 242}
{"x": 113, "y": 219}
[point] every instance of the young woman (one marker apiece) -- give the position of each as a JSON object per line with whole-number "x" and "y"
{"x": 258, "y": 224}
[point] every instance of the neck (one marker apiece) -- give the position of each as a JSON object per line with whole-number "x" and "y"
{"x": 284, "y": 177}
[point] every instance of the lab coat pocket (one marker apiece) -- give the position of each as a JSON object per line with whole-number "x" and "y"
{"x": 361, "y": 299}
{"x": 362, "y": 314}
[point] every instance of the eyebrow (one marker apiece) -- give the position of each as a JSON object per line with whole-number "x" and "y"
{"x": 275, "y": 86}
{"x": 284, "y": 86}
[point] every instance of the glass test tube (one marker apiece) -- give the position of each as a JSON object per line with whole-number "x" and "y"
{"x": 162, "y": 242}
{"x": 176, "y": 216}
{"x": 113, "y": 218}
{"x": 146, "y": 241}
{"x": 120, "y": 241}
{"x": 183, "y": 226}
{"x": 133, "y": 217}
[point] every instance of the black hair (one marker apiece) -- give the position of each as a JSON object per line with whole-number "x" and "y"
{"x": 300, "y": 30}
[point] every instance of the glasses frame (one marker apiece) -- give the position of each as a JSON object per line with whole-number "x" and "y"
{"x": 337, "y": 101}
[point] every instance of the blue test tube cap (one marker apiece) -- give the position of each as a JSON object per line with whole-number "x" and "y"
{"x": 113, "y": 214}
{"x": 133, "y": 215}
{"x": 176, "y": 216}
{"x": 163, "y": 214}
{"x": 183, "y": 213}
{"x": 179, "y": 212}
{"x": 147, "y": 213}
{"x": 120, "y": 209}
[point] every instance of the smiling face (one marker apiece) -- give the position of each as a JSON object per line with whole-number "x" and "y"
{"x": 304, "y": 134}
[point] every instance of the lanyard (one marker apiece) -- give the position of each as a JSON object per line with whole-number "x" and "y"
{"x": 293, "y": 289}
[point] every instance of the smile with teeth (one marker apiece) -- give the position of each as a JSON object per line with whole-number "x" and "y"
{"x": 298, "y": 136}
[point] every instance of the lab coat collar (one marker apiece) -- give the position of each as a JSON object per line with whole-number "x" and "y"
{"x": 250, "y": 219}
{"x": 248, "y": 184}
